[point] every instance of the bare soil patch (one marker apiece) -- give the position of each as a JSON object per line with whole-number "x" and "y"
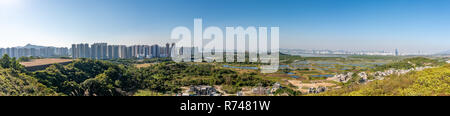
{"x": 39, "y": 62}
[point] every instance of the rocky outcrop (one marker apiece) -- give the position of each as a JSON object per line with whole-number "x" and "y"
{"x": 317, "y": 90}
{"x": 342, "y": 77}
{"x": 379, "y": 75}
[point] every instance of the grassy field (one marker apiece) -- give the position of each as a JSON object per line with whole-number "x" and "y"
{"x": 430, "y": 82}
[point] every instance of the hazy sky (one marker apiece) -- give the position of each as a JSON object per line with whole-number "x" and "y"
{"x": 409, "y": 25}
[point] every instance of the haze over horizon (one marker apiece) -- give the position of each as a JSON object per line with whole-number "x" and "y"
{"x": 409, "y": 25}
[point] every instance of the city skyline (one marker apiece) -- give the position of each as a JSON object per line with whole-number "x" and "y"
{"x": 35, "y": 51}
{"x": 100, "y": 51}
{"x": 114, "y": 51}
{"x": 393, "y": 51}
{"x": 107, "y": 51}
{"x": 410, "y": 26}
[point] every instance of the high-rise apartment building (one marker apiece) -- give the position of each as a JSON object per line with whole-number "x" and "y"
{"x": 99, "y": 51}
{"x": 122, "y": 51}
{"x": 155, "y": 51}
{"x": 110, "y": 52}
{"x": 129, "y": 52}
{"x": 14, "y": 52}
{"x": 87, "y": 51}
{"x": 396, "y": 52}
{"x": 8, "y": 51}
{"x": 2, "y": 51}
{"x": 167, "y": 49}
{"x": 81, "y": 51}
{"x": 74, "y": 51}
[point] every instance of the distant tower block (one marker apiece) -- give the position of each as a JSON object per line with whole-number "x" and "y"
{"x": 396, "y": 52}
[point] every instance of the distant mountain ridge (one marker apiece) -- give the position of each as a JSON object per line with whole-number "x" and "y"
{"x": 445, "y": 52}
{"x": 29, "y": 46}
{"x": 33, "y": 46}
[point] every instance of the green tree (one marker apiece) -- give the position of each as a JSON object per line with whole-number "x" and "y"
{"x": 15, "y": 83}
{"x": 5, "y": 62}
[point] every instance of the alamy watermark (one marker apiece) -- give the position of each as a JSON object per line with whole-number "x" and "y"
{"x": 238, "y": 44}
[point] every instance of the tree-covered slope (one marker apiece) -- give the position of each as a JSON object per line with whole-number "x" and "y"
{"x": 14, "y": 83}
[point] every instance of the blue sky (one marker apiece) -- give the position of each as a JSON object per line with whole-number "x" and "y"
{"x": 409, "y": 25}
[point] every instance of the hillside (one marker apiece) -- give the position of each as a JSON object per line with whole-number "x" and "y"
{"x": 13, "y": 83}
{"x": 33, "y": 46}
{"x": 430, "y": 82}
